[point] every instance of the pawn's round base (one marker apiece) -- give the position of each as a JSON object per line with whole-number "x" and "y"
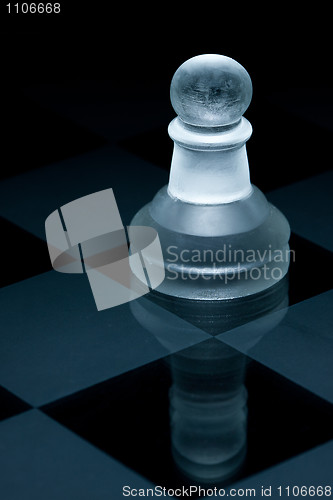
{"x": 230, "y": 264}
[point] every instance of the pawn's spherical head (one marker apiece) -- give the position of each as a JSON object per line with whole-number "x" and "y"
{"x": 210, "y": 90}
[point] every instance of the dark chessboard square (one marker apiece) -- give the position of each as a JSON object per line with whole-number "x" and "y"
{"x": 36, "y": 136}
{"x": 154, "y": 146}
{"x": 128, "y": 417}
{"x": 310, "y": 271}
{"x": 292, "y": 418}
{"x": 24, "y": 255}
{"x": 10, "y": 404}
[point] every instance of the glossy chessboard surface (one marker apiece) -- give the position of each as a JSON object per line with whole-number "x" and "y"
{"x": 92, "y": 401}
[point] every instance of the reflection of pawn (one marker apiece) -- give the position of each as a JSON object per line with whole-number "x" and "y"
{"x": 210, "y": 203}
{"x": 208, "y": 411}
{"x": 208, "y": 397}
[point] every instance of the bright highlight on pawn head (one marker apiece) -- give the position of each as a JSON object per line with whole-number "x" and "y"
{"x": 210, "y": 90}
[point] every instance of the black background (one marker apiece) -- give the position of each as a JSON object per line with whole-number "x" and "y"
{"x": 280, "y": 46}
{"x": 283, "y": 50}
